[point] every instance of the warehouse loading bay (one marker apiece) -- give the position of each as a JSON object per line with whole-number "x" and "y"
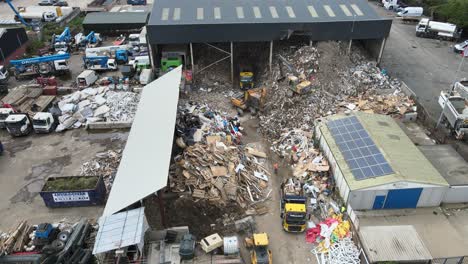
{"x": 278, "y": 140}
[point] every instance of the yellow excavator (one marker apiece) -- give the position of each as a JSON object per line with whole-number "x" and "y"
{"x": 252, "y": 99}
{"x": 260, "y": 254}
{"x": 246, "y": 78}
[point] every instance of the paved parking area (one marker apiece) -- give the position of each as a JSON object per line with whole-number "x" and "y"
{"x": 28, "y": 161}
{"x": 427, "y": 66}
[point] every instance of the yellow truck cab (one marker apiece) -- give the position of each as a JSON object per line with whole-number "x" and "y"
{"x": 293, "y": 206}
{"x": 294, "y": 214}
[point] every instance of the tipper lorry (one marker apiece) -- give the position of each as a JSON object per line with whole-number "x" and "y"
{"x": 293, "y": 206}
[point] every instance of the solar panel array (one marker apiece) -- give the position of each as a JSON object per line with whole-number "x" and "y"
{"x": 358, "y": 149}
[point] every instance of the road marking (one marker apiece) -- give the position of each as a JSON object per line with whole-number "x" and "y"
{"x": 329, "y": 10}
{"x": 312, "y": 11}
{"x": 165, "y": 14}
{"x": 346, "y": 10}
{"x": 274, "y": 13}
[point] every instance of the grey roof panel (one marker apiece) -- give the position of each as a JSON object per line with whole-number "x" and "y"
{"x": 288, "y": 12}
{"x": 257, "y": 20}
{"x": 116, "y": 18}
{"x": 393, "y": 243}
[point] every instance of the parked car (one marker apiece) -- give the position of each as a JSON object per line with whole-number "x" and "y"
{"x": 61, "y": 3}
{"x": 458, "y": 48}
{"x": 46, "y": 2}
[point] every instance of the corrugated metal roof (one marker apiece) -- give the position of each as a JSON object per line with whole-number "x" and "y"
{"x": 120, "y": 230}
{"x": 116, "y": 18}
{"x": 144, "y": 167}
{"x": 448, "y": 162}
{"x": 259, "y": 11}
{"x": 406, "y": 160}
{"x": 393, "y": 243}
{"x": 186, "y": 21}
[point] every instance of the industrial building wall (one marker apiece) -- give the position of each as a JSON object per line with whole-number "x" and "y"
{"x": 340, "y": 181}
{"x": 456, "y": 194}
{"x": 432, "y": 196}
{"x": 10, "y": 41}
{"x": 365, "y": 199}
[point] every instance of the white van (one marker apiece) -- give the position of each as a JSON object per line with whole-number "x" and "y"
{"x": 411, "y": 12}
{"x": 86, "y": 78}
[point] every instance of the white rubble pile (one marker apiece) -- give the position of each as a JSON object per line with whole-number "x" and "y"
{"x": 96, "y": 104}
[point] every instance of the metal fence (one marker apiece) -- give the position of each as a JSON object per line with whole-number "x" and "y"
{"x": 456, "y": 260}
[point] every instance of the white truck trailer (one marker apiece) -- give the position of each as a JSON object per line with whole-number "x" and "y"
{"x": 454, "y": 109}
{"x": 433, "y": 29}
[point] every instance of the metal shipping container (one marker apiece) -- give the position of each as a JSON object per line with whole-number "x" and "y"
{"x": 73, "y": 198}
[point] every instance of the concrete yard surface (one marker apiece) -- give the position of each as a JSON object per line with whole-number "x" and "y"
{"x": 28, "y": 161}
{"x": 427, "y": 66}
{"x": 443, "y": 230}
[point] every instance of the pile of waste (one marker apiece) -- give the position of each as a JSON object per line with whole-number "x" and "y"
{"x": 95, "y": 105}
{"x": 343, "y": 251}
{"x": 47, "y": 243}
{"x": 221, "y": 172}
{"x": 336, "y": 87}
{"x": 104, "y": 164}
{"x": 196, "y": 121}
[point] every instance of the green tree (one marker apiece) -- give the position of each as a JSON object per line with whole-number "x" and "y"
{"x": 455, "y": 11}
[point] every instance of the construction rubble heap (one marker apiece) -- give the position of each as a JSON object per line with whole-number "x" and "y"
{"x": 104, "y": 164}
{"x": 96, "y": 105}
{"x": 338, "y": 85}
{"x": 214, "y": 167}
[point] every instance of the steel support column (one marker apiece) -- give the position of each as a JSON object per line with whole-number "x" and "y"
{"x": 382, "y": 46}
{"x": 232, "y": 62}
{"x": 349, "y": 46}
{"x": 191, "y": 57}
{"x": 270, "y": 62}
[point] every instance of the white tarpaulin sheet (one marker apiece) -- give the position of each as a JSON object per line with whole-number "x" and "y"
{"x": 121, "y": 230}
{"x": 144, "y": 167}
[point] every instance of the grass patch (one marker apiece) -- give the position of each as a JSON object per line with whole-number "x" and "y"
{"x": 71, "y": 183}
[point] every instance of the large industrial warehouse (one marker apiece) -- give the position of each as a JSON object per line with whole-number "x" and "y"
{"x": 234, "y": 22}
{"x": 375, "y": 164}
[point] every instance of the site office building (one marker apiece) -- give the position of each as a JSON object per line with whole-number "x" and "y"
{"x": 404, "y": 177}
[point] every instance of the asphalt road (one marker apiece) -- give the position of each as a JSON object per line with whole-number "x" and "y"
{"x": 427, "y": 66}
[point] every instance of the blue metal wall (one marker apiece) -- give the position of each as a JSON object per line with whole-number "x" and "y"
{"x": 398, "y": 199}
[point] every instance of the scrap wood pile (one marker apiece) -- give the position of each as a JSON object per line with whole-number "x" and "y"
{"x": 96, "y": 105}
{"x": 104, "y": 164}
{"x": 15, "y": 240}
{"x": 221, "y": 173}
{"x": 28, "y": 99}
{"x": 339, "y": 84}
{"x": 307, "y": 163}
